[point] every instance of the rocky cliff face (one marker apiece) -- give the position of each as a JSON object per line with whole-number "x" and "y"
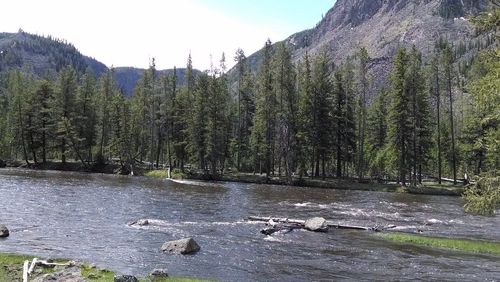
{"x": 382, "y": 26}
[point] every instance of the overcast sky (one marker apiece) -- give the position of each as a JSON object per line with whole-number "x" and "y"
{"x": 129, "y": 33}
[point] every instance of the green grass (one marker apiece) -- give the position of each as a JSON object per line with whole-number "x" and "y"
{"x": 11, "y": 269}
{"x": 94, "y": 274}
{"x": 11, "y": 266}
{"x": 467, "y": 245}
{"x": 156, "y": 173}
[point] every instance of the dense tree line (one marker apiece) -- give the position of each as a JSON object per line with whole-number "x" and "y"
{"x": 304, "y": 119}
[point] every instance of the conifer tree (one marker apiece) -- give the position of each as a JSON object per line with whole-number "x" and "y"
{"x": 322, "y": 122}
{"x": 363, "y": 86}
{"x": 448, "y": 61}
{"x": 286, "y": 95}
{"x": 305, "y": 115}
{"x": 399, "y": 115}
{"x": 265, "y": 116}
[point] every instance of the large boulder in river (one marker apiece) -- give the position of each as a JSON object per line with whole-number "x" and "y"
{"x": 317, "y": 224}
{"x": 182, "y": 246}
{"x": 4, "y": 232}
{"x": 126, "y": 278}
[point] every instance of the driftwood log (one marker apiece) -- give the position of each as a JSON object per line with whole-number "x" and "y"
{"x": 290, "y": 224}
{"x": 29, "y": 268}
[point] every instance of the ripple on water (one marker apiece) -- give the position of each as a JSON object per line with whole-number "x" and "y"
{"x": 84, "y": 216}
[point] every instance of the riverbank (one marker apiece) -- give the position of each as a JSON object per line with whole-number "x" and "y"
{"x": 328, "y": 183}
{"x": 11, "y": 269}
{"x": 457, "y": 244}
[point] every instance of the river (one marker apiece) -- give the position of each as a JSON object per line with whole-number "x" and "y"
{"x": 85, "y": 216}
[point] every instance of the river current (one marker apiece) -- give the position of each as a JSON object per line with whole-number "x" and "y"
{"x": 84, "y": 216}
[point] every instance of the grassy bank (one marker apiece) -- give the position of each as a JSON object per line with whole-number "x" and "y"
{"x": 11, "y": 269}
{"x": 328, "y": 183}
{"x": 466, "y": 245}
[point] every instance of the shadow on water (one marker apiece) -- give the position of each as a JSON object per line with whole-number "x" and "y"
{"x": 85, "y": 216}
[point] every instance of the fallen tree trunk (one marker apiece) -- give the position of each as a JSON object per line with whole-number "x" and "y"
{"x": 329, "y": 223}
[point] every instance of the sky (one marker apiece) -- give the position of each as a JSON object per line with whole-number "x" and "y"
{"x": 131, "y": 32}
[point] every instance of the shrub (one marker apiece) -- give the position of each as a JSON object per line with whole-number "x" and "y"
{"x": 483, "y": 198}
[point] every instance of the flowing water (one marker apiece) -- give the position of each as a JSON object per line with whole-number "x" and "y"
{"x": 85, "y": 216}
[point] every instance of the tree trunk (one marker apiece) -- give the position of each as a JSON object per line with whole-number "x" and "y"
{"x": 453, "y": 153}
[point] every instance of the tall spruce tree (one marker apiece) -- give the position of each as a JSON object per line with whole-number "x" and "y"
{"x": 265, "y": 116}
{"x": 448, "y": 60}
{"x": 322, "y": 122}
{"x": 363, "y": 86}
{"x": 399, "y": 115}
{"x": 286, "y": 95}
{"x": 305, "y": 115}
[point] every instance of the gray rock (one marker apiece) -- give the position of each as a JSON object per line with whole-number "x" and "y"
{"x": 159, "y": 273}
{"x": 182, "y": 246}
{"x": 125, "y": 278}
{"x": 71, "y": 274}
{"x": 4, "y": 232}
{"x": 317, "y": 224}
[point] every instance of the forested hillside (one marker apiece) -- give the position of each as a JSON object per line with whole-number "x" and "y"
{"x": 42, "y": 56}
{"x": 45, "y": 57}
{"x": 294, "y": 119}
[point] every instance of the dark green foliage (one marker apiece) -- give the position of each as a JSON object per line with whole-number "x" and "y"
{"x": 310, "y": 119}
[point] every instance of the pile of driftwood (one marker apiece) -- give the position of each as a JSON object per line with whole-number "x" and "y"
{"x": 29, "y": 268}
{"x": 285, "y": 225}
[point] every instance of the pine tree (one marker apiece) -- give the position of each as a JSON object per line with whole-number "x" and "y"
{"x": 305, "y": 116}
{"x": 363, "y": 86}
{"x": 435, "y": 88}
{"x": 399, "y": 115}
{"x": 86, "y": 119}
{"x": 322, "y": 123}
{"x": 377, "y": 135}
{"x": 448, "y": 61}
{"x": 17, "y": 114}
{"x": 64, "y": 113}
{"x": 245, "y": 111}
{"x": 105, "y": 95}
{"x": 286, "y": 95}
{"x": 198, "y": 126}
{"x": 265, "y": 116}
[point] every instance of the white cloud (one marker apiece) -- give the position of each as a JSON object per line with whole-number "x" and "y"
{"x": 128, "y": 33}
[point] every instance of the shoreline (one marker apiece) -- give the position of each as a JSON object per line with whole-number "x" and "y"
{"x": 11, "y": 269}
{"x": 329, "y": 183}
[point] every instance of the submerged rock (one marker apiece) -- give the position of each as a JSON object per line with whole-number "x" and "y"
{"x": 4, "y": 231}
{"x": 316, "y": 224}
{"x": 158, "y": 273}
{"x": 125, "y": 278}
{"x": 182, "y": 246}
{"x": 142, "y": 222}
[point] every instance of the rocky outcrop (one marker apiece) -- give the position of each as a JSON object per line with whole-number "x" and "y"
{"x": 70, "y": 274}
{"x": 4, "y": 231}
{"x": 125, "y": 278}
{"x": 182, "y": 246}
{"x": 382, "y": 26}
{"x": 316, "y": 224}
{"x": 159, "y": 273}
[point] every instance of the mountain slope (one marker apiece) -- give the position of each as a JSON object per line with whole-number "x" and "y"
{"x": 127, "y": 77}
{"x": 42, "y": 56}
{"x": 46, "y": 56}
{"x": 381, "y": 26}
